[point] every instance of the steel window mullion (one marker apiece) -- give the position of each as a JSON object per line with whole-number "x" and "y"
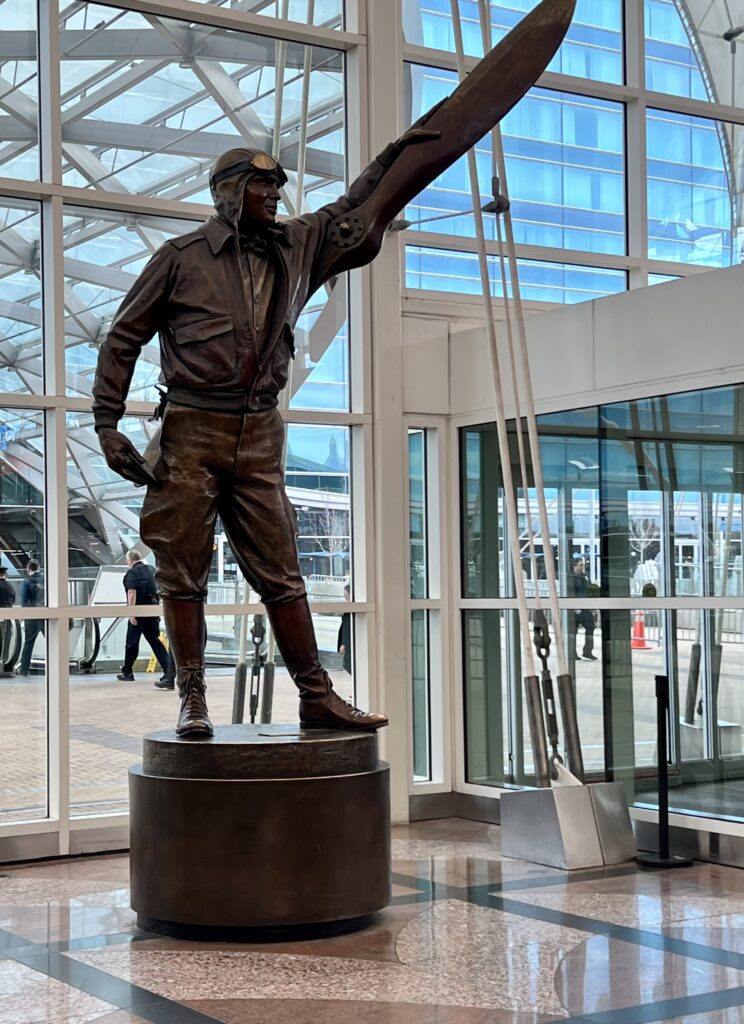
{"x": 55, "y": 473}
{"x": 543, "y": 254}
{"x": 243, "y": 21}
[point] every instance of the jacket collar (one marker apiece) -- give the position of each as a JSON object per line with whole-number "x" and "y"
{"x": 218, "y": 231}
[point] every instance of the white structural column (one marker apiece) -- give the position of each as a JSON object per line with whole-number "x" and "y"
{"x": 390, "y": 458}
{"x": 57, "y": 632}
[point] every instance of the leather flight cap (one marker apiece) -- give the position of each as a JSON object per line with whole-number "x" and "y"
{"x": 260, "y": 164}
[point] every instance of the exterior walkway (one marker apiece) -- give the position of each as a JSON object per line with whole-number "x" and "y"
{"x": 108, "y": 719}
{"x": 471, "y": 938}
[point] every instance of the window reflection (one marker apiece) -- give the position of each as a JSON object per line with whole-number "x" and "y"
{"x": 459, "y": 272}
{"x": 593, "y": 46}
{"x": 647, "y": 498}
{"x": 687, "y": 54}
{"x": 565, "y": 164}
{"x": 693, "y": 190}
{"x": 19, "y": 135}
{"x": 318, "y": 478}
{"x": 650, "y": 496}
{"x": 20, "y": 297}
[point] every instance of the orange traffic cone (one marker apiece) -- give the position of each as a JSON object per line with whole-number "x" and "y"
{"x": 638, "y": 643}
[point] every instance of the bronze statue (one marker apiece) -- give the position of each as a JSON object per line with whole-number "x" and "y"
{"x": 224, "y": 300}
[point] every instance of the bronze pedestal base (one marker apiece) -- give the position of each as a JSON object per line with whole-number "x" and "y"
{"x": 261, "y": 832}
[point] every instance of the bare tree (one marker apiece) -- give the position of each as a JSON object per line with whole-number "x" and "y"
{"x": 643, "y": 533}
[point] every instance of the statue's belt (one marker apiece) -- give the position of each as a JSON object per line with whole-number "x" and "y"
{"x": 215, "y": 401}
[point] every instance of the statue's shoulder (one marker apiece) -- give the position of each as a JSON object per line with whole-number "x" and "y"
{"x": 185, "y": 240}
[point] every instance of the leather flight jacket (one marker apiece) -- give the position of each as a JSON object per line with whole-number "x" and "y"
{"x": 222, "y": 346}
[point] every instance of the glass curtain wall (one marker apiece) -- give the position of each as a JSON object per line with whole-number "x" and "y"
{"x": 576, "y": 140}
{"x": 645, "y": 504}
{"x": 125, "y": 127}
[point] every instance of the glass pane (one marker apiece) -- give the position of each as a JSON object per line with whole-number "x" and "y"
{"x": 20, "y": 296}
{"x": 688, "y": 54}
{"x": 726, "y": 667}
{"x": 19, "y": 135}
{"x": 482, "y": 515}
{"x": 319, "y": 372}
{"x": 108, "y": 716}
{"x": 660, "y": 278}
{"x": 631, "y": 511}
{"x": 154, "y": 122}
{"x": 102, "y": 512}
{"x": 23, "y": 723}
{"x": 417, "y": 512}
{"x": 571, "y": 474}
{"x": 324, "y": 13}
{"x": 584, "y": 637}
{"x": 22, "y": 502}
{"x": 105, "y": 251}
{"x": 459, "y": 272}
{"x": 486, "y": 716}
{"x": 421, "y": 696}
{"x": 565, "y": 157}
{"x": 318, "y": 478}
{"x": 634, "y": 648}
{"x": 692, "y": 190}
{"x": 593, "y": 46}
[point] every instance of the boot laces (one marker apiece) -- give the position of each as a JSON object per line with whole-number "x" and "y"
{"x": 354, "y": 710}
{"x": 193, "y": 688}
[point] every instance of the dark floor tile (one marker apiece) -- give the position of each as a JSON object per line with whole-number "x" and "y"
{"x": 321, "y": 1011}
{"x": 604, "y": 974}
{"x": 455, "y": 829}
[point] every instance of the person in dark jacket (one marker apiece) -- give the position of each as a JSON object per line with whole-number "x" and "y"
{"x": 344, "y": 634}
{"x": 584, "y": 617}
{"x": 140, "y": 588}
{"x": 7, "y": 590}
{"x": 7, "y": 600}
{"x": 224, "y": 300}
{"x": 32, "y": 596}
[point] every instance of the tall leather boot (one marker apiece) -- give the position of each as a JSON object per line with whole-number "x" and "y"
{"x": 185, "y": 623}
{"x": 320, "y": 706}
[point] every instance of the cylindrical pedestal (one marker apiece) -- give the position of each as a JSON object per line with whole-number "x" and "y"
{"x": 264, "y": 827}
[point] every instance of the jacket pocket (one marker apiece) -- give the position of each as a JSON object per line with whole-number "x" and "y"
{"x": 280, "y": 363}
{"x": 205, "y": 352}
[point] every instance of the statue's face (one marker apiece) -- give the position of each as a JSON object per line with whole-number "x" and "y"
{"x": 261, "y": 198}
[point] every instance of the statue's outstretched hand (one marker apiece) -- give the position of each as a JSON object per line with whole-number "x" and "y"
{"x": 415, "y": 135}
{"x": 121, "y": 456}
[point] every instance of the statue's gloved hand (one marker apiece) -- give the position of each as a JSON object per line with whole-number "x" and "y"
{"x": 416, "y": 135}
{"x": 121, "y": 456}
{"x": 412, "y": 137}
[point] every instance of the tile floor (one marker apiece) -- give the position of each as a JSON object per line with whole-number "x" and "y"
{"x": 470, "y": 938}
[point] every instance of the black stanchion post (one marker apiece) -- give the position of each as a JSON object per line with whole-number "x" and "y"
{"x": 663, "y": 859}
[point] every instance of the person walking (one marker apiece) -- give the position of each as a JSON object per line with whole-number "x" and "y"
{"x": 32, "y": 596}
{"x": 343, "y": 645}
{"x": 584, "y": 617}
{"x": 140, "y": 587}
{"x": 7, "y": 600}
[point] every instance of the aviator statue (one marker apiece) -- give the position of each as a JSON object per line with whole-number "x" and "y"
{"x": 224, "y": 300}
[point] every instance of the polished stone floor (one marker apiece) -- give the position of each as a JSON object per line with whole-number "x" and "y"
{"x": 470, "y": 938}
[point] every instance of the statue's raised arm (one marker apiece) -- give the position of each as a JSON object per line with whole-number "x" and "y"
{"x": 445, "y": 133}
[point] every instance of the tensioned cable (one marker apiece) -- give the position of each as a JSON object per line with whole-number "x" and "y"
{"x": 501, "y": 428}
{"x": 531, "y": 415}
